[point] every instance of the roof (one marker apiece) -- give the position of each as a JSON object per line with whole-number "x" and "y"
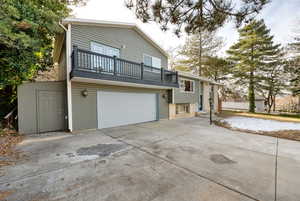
{"x": 189, "y": 75}
{"x": 103, "y": 23}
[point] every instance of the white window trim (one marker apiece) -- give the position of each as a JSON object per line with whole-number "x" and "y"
{"x": 183, "y": 105}
{"x": 152, "y": 57}
{"x": 95, "y": 42}
{"x": 188, "y": 92}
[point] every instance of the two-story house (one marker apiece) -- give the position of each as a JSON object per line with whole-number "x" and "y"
{"x": 110, "y": 74}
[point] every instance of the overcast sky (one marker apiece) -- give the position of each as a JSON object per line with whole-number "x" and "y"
{"x": 279, "y": 15}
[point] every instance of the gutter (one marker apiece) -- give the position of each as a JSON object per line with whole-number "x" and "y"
{"x": 68, "y": 80}
{"x": 62, "y": 26}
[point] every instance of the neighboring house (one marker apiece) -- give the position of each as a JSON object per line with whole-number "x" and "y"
{"x": 110, "y": 74}
{"x": 244, "y": 104}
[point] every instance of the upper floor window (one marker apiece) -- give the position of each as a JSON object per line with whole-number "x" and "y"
{"x": 152, "y": 61}
{"x": 187, "y": 85}
{"x": 105, "y": 49}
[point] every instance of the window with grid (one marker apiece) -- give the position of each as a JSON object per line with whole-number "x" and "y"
{"x": 187, "y": 85}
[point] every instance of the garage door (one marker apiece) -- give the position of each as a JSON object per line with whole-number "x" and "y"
{"x": 122, "y": 108}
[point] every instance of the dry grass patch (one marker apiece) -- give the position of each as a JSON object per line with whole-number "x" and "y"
{"x": 8, "y": 140}
{"x": 278, "y": 117}
{"x": 284, "y": 134}
{"x": 5, "y": 194}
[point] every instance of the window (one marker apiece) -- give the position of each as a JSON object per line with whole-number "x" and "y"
{"x": 104, "y": 49}
{"x": 182, "y": 108}
{"x": 187, "y": 85}
{"x": 99, "y": 63}
{"x": 152, "y": 61}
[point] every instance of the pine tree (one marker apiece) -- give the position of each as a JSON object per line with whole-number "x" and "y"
{"x": 293, "y": 67}
{"x": 273, "y": 80}
{"x": 253, "y": 52}
{"x": 197, "y": 49}
{"x": 195, "y": 15}
{"x": 216, "y": 68}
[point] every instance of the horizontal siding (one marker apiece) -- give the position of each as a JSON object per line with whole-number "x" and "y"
{"x": 135, "y": 44}
{"x": 27, "y": 103}
{"x": 85, "y": 108}
{"x": 183, "y": 97}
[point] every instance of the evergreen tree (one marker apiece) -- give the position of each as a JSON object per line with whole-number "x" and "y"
{"x": 216, "y": 68}
{"x": 198, "y": 48}
{"x": 194, "y": 15}
{"x": 253, "y": 52}
{"x": 274, "y": 80}
{"x": 294, "y": 66}
{"x": 27, "y": 30}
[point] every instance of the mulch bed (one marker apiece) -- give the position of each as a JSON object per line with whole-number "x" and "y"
{"x": 284, "y": 134}
{"x": 8, "y": 140}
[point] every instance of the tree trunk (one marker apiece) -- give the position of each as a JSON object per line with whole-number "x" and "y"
{"x": 200, "y": 38}
{"x": 299, "y": 103}
{"x": 251, "y": 93}
{"x": 200, "y": 53}
{"x": 274, "y": 104}
{"x": 270, "y": 103}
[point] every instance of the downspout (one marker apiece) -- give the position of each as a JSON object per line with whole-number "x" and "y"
{"x": 69, "y": 68}
{"x": 62, "y": 26}
{"x": 68, "y": 71}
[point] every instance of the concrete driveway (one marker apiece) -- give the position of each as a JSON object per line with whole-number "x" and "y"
{"x": 178, "y": 160}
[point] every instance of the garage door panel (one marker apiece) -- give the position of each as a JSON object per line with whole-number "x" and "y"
{"x": 120, "y": 108}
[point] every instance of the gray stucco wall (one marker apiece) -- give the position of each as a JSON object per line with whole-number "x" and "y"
{"x": 135, "y": 44}
{"x": 85, "y": 108}
{"x": 187, "y": 97}
{"x": 27, "y": 103}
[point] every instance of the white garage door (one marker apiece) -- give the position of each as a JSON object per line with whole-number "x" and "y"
{"x": 120, "y": 108}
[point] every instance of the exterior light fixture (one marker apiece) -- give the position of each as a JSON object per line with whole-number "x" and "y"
{"x": 84, "y": 93}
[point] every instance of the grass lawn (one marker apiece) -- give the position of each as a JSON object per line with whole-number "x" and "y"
{"x": 279, "y": 117}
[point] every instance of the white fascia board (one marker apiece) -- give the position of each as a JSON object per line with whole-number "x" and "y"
{"x": 97, "y": 22}
{"x": 117, "y": 83}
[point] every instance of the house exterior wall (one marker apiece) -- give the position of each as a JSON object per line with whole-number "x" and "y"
{"x": 173, "y": 115}
{"x": 206, "y": 90}
{"x": 85, "y": 108}
{"x": 135, "y": 45}
{"x": 186, "y": 97}
{"x": 27, "y": 103}
{"x": 216, "y": 97}
{"x": 206, "y": 94}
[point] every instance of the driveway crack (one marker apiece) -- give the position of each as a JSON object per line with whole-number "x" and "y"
{"x": 190, "y": 171}
{"x": 276, "y": 169}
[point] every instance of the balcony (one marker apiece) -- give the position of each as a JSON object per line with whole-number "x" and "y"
{"x": 93, "y": 65}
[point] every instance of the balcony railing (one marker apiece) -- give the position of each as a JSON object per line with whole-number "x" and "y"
{"x": 94, "y": 65}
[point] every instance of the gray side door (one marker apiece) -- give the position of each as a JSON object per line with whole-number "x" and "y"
{"x": 50, "y": 111}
